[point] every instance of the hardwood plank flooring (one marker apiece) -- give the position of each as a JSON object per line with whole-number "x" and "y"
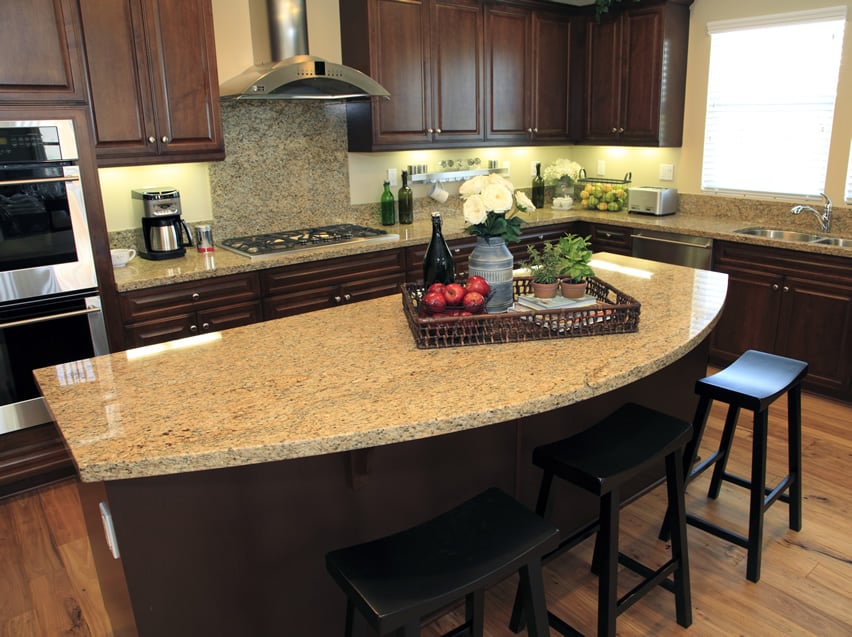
{"x": 48, "y": 585}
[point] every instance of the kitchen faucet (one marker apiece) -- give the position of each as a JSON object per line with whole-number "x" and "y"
{"x": 824, "y": 218}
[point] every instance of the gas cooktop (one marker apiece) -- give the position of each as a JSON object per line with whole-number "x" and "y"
{"x": 261, "y": 246}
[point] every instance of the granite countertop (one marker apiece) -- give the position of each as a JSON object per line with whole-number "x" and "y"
{"x": 141, "y": 273}
{"x": 263, "y": 393}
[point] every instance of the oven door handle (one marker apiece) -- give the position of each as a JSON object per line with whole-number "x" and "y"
{"x": 43, "y": 180}
{"x": 50, "y": 317}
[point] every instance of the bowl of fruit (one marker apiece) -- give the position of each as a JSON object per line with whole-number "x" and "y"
{"x": 455, "y": 299}
{"x": 605, "y": 195}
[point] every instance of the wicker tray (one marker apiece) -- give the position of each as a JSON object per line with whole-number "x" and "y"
{"x": 614, "y": 313}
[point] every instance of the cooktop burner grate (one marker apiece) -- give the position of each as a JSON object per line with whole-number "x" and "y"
{"x": 275, "y": 243}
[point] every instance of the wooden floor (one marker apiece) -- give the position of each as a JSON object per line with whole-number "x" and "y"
{"x": 48, "y": 586}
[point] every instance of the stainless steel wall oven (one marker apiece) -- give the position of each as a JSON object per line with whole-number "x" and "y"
{"x": 50, "y": 311}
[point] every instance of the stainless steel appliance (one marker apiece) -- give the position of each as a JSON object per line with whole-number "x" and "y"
{"x": 164, "y": 234}
{"x": 50, "y": 311}
{"x": 669, "y": 247}
{"x": 275, "y": 243}
{"x": 651, "y": 200}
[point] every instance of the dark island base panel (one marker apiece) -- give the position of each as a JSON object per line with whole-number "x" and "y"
{"x": 241, "y": 551}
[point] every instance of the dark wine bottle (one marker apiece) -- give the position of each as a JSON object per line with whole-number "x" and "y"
{"x": 538, "y": 187}
{"x": 438, "y": 264}
{"x": 388, "y": 212}
{"x": 406, "y": 201}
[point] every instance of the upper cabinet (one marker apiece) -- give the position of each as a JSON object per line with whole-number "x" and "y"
{"x": 428, "y": 55}
{"x": 528, "y": 58}
{"x": 153, "y": 86}
{"x": 635, "y": 75}
{"x": 40, "y": 49}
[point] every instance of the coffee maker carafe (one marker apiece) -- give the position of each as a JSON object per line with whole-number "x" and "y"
{"x": 164, "y": 234}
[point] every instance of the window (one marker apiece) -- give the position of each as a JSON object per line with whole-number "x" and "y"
{"x": 770, "y": 102}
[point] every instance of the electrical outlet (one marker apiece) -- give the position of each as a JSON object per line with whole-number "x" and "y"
{"x": 601, "y": 168}
{"x": 666, "y": 172}
{"x": 532, "y": 168}
{"x": 391, "y": 177}
{"x": 508, "y": 166}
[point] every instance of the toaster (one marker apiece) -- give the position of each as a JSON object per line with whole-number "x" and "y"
{"x": 651, "y": 200}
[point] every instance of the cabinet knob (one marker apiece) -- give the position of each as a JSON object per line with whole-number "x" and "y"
{"x": 614, "y": 130}
{"x": 152, "y": 139}
{"x": 337, "y": 299}
{"x": 530, "y": 130}
{"x": 438, "y": 131}
{"x": 193, "y": 328}
{"x": 430, "y": 131}
{"x": 205, "y": 326}
{"x": 195, "y": 296}
{"x": 347, "y": 297}
{"x": 620, "y": 130}
{"x": 775, "y": 286}
{"x": 456, "y": 250}
{"x": 786, "y": 288}
{"x": 535, "y": 129}
{"x": 164, "y": 139}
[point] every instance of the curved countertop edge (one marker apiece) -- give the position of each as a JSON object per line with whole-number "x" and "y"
{"x": 113, "y": 434}
{"x": 141, "y": 274}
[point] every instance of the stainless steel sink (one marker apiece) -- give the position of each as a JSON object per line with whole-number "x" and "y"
{"x": 783, "y": 235}
{"x": 835, "y": 241}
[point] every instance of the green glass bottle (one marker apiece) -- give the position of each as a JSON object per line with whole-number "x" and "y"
{"x": 406, "y": 201}
{"x": 538, "y": 187}
{"x": 388, "y": 212}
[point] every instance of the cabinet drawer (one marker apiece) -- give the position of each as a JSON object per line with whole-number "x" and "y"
{"x": 159, "y": 330}
{"x": 323, "y": 277}
{"x": 614, "y": 239}
{"x": 166, "y": 301}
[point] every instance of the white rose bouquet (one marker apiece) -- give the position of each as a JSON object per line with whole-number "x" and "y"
{"x": 488, "y": 207}
{"x": 561, "y": 169}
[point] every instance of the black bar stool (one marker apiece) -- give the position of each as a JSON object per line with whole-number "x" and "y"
{"x": 602, "y": 460}
{"x": 396, "y": 580}
{"x": 753, "y": 381}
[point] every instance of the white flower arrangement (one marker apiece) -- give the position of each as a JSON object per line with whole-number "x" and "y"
{"x": 488, "y": 205}
{"x": 562, "y": 168}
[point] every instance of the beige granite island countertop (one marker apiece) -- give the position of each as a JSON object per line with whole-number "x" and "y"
{"x": 351, "y": 377}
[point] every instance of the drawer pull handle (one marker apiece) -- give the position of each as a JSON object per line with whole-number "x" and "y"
{"x": 195, "y": 296}
{"x": 347, "y": 297}
{"x": 205, "y": 326}
{"x": 193, "y": 328}
{"x": 775, "y": 286}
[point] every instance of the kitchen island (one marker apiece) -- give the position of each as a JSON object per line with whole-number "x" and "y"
{"x": 231, "y": 462}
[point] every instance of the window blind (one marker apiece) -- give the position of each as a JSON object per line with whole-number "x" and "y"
{"x": 770, "y": 103}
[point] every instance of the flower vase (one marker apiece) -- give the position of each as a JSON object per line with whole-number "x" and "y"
{"x": 564, "y": 187}
{"x": 492, "y": 260}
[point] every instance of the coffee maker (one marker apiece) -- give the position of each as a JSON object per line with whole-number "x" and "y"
{"x": 164, "y": 234}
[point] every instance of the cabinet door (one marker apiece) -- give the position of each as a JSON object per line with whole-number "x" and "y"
{"x": 750, "y": 317}
{"x": 152, "y": 80}
{"x": 603, "y": 80}
{"x": 815, "y": 325}
{"x": 551, "y": 94}
{"x": 642, "y": 41}
{"x": 41, "y": 52}
{"x": 509, "y": 85}
{"x": 615, "y": 239}
{"x": 159, "y": 330}
{"x": 400, "y": 59}
{"x": 227, "y": 316}
{"x": 456, "y": 63}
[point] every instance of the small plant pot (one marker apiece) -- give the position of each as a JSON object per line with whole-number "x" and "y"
{"x": 573, "y": 290}
{"x": 544, "y": 290}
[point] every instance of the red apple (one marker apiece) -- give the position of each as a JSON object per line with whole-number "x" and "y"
{"x": 473, "y": 302}
{"x": 454, "y": 293}
{"x": 436, "y": 287}
{"x": 434, "y": 302}
{"x": 477, "y": 284}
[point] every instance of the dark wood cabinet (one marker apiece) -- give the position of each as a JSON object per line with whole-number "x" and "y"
{"x": 606, "y": 238}
{"x": 789, "y": 303}
{"x": 175, "y": 311}
{"x": 153, "y": 86}
{"x": 41, "y": 52}
{"x": 317, "y": 285}
{"x": 528, "y": 59}
{"x": 32, "y": 457}
{"x": 635, "y": 75}
{"x": 428, "y": 55}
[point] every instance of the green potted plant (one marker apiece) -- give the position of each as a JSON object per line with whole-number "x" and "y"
{"x": 574, "y": 257}
{"x": 544, "y": 266}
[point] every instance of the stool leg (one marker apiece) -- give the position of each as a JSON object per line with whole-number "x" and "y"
{"x": 757, "y": 497}
{"x": 724, "y": 450}
{"x": 532, "y": 587}
{"x": 608, "y": 577}
{"x": 350, "y": 618}
{"x": 690, "y": 454}
{"x": 475, "y": 612}
{"x": 794, "y": 454}
{"x": 680, "y": 552}
{"x": 516, "y": 622}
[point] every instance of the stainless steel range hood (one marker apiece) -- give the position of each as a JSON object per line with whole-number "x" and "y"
{"x": 295, "y": 74}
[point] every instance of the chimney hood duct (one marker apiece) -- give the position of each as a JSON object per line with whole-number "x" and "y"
{"x": 295, "y": 75}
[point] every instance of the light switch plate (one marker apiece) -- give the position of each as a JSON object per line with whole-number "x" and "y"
{"x": 391, "y": 176}
{"x": 666, "y": 172}
{"x": 601, "y": 168}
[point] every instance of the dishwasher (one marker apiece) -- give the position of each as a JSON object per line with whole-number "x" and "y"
{"x": 670, "y": 247}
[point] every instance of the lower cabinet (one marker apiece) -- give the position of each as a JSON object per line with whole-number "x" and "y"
{"x": 789, "y": 303}
{"x": 317, "y": 285}
{"x": 185, "y": 309}
{"x": 606, "y": 238}
{"x": 32, "y": 457}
